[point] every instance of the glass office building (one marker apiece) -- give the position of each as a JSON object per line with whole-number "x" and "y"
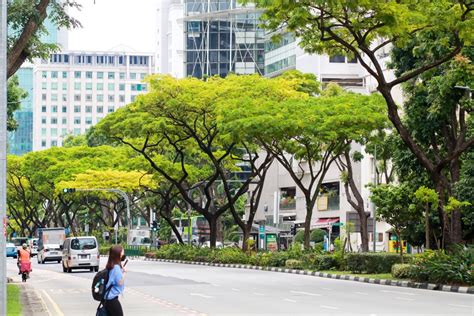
{"x": 222, "y": 36}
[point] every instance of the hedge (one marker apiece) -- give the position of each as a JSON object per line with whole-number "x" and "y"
{"x": 372, "y": 262}
{"x": 402, "y": 271}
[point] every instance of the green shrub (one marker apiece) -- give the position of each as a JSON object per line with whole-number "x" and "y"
{"x": 150, "y": 255}
{"x": 402, "y": 270}
{"x": 299, "y": 237}
{"x": 104, "y": 250}
{"x": 380, "y": 262}
{"x": 441, "y": 267}
{"x": 294, "y": 264}
{"x": 231, "y": 255}
{"x": 317, "y": 235}
{"x": 325, "y": 262}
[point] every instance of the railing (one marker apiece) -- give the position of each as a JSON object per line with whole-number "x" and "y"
{"x": 136, "y": 250}
{"x": 288, "y": 206}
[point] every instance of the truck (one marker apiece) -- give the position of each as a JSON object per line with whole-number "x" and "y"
{"x": 50, "y": 241}
{"x": 139, "y": 237}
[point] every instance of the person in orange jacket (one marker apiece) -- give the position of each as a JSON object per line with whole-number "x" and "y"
{"x": 24, "y": 256}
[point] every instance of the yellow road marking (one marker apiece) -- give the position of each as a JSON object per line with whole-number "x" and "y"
{"x": 53, "y": 303}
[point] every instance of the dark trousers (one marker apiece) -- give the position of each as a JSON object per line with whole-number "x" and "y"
{"x": 113, "y": 307}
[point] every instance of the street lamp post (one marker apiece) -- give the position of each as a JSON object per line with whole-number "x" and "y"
{"x": 3, "y": 156}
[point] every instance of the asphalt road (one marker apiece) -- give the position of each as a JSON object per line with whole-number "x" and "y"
{"x": 154, "y": 288}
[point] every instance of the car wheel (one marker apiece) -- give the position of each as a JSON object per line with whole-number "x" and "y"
{"x": 96, "y": 269}
{"x": 69, "y": 270}
{"x": 59, "y": 261}
{"x": 64, "y": 269}
{"x": 91, "y": 269}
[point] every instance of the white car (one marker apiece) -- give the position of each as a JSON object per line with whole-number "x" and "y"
{"x": 33, "y": 244}
{"x": 80, "y": 253}
{"x": 49, "y": 252}
{"x": 207, "y": 244}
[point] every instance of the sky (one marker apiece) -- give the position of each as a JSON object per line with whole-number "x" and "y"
{"x": 109, "y": 24}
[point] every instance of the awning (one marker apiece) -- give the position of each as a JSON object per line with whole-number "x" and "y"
{"x": 325, "y": 222}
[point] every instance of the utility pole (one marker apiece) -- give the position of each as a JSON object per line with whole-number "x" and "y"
{"x": 376, "y": 180}
{"x": 3, "y": 156}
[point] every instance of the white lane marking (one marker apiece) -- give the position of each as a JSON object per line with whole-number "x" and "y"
{"x": 213, "y": 284}
{"x": 404, "y": 299}
{"x": 399, "y": 292}
{"x": 201, "y": 295}
{"x": 458, "y": 305}
{"x": 236, "y": 290}
{"x": 305, "y": 293}
{"x": 53, "y": 303}
{"x": 361, "y": 293}
{"x": 326, "y": 289}
{"x": 328, "y": 307}
{"x": 258, "y": 294}
{"x": 43, "y": 302}
{"x": 288, "y": 300}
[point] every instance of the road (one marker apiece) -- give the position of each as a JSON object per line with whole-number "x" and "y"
{"x": 154, "y": 288}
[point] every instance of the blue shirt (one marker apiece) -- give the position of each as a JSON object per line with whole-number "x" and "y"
{"x": 115, "y": 275}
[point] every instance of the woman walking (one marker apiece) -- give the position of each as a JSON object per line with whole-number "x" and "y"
{"x": 116, "y": 281}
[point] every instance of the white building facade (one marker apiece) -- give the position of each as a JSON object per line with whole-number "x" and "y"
{"x": 75, "y": 90}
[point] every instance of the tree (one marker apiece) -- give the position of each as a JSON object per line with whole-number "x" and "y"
{"x": 360, "y": 29}
{"x": 393, "y": 206}
{"x": 464, "y": 191}
{"x": 25, "y": 22}
{"x": 305, "y": 135}
{"x": 14, "y": 96}
{"x": 428, "y": 198}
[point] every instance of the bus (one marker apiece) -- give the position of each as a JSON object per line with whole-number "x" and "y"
{"x": 199, "y": 228}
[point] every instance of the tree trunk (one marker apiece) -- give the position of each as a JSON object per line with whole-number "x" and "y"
{"x": 456, "y": 217}
{"x": 446, "y": 232}
{"x": 245, "y": 237}
{"x": 212, "y": 231}
{"x": 307, "y": 224}
{"x": 427, "y": 226}
{"x": 400, "y": 245}
{"x": 364, "y": 232}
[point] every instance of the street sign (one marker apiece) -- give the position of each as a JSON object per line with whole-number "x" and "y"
{"x": 340, "y": 224}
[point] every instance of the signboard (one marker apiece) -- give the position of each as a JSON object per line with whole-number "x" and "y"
{"x": 323, "y": 203}
{"x": 272, "y": 244}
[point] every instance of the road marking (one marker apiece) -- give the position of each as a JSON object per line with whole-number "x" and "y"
{"x": 201, "y": 295}
{"x": 288, "y": 300}
{"x": 305, "y": 293}
{"x": 258, "y": 294}
{"x": 458, "y": 305}
{"x": 53, "y": 303}
{"x": 399, "y": 292}
{"x": 405, "y": 299}
{"x": 326, "y": 289}
{"x": 361, "y": 293}
{"x": 236, "y": 290}
{"x": 328, "y": 307}
{"x": 43, "y": 302}
{"x": 213, "y": 284}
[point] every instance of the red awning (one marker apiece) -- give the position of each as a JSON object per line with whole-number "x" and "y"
{"x": 325, "y": 222}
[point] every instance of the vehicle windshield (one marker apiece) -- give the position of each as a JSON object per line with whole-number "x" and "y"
{"x": 83, "y": 244}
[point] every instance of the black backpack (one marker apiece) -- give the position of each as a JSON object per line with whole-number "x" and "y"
{"x": 98, "y": 285}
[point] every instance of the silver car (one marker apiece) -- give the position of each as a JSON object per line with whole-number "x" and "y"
{"x": 80, "y": 253}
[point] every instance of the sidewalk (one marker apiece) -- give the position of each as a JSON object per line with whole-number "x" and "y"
{"x": 32, "y": 302}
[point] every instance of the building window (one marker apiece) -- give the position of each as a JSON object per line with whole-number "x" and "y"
{"x": 88, "y": 109}
{"x": 54, "y": 97}
{"x": 44, "y": 74}
{"x": 64, "y": 109}
{"x": 121, "y": 98}
{"x": 111, "y": 98}
{"x": 89, "y": 86}
{"x": 77, "y": 109}
{"x": 54, "y": 132}
{"x": 63, "y": 131}
{"x": 122, "y": 87}
{"x": 88, "y": 97}
{"x": 64, "y": 120}
{"x": 100, "y": 98}
{"x": 111, "y": 87}
{"x": 43, "y": 109}
{"x": 288, "y": 198}
{"x": 329, "y": 197}
{"x": 121, "y": 60}
{"x": 88, "y": 120}
{"x": 43, "y": 120}
{"x": 44, "y": 86}
{"x": 54, "y": 74}
{"x": 88, "y": 74}
{"x": 337, "y": 59}
{"x": 77, "y": 120}
{"x": 100, "y": 75}
{"x": 54, "y": 143}
{"x": 77, "y": 97}
{"x": 64, "y": 74}
{"x": 100, "y": 109}
{"x": 132, "y": 98}
{"x": 77, "y": 86}
{"x": 64, "y": 97}
{"x": 54, "y": 109}
{"x": 54, "y": 120}
{"x": 133, "y": 76}
{"x": 54, "y": 86}
{"x": 352, "y": 60}
{"x": 111, "y": 109}
{"x": 142, "y": 75}
{"x": 43, "y": 132}
{"x": 43, "y": 97}
{"x": 99, "y": 119}
{"x": 122, "y": 76}
{"x": 64, "y": 86}
{"x": 77, "y": 131}
{"x": 111, "y": 75}
{"x": 77, "y": 74}
{"x": 100, "y": 86}
{"x": 43, "y": 143}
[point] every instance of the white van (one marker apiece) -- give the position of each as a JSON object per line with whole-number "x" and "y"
{"x": 81, "y": 253}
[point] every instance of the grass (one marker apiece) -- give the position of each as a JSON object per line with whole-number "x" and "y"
{"x": 385, "y": 276}
{"x": 13, "y": 300}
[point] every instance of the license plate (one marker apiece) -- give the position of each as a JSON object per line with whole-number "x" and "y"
{"x": 53, "y": 253}
{"x": 84, "y": 256}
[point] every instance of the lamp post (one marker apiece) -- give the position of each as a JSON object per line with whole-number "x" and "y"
{"x": 3, "y": 156}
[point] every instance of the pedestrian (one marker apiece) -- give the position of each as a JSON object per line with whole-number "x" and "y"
{"x": 116, "y": 282}
{"x": 24, "y": 256}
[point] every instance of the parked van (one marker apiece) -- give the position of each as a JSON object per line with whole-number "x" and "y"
{"x": 80, "y": 253}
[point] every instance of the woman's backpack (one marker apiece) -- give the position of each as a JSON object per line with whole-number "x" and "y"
{"x": 98, "y": 285}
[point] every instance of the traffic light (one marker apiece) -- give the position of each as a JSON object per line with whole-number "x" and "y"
{"x": 293, "y": 229}
{"x": 154, "y": 226}
{"x": 69, "y": 190}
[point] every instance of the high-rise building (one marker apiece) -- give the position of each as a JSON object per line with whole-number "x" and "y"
{"x": 74, "y": 90}
{"x": 20, "y": 141}
{"x": 209, "y": 37}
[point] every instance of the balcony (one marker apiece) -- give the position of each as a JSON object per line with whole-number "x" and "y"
{"x": 287, "y": 204}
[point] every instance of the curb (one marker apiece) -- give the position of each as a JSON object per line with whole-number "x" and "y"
{"x": 408, "y": 284}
